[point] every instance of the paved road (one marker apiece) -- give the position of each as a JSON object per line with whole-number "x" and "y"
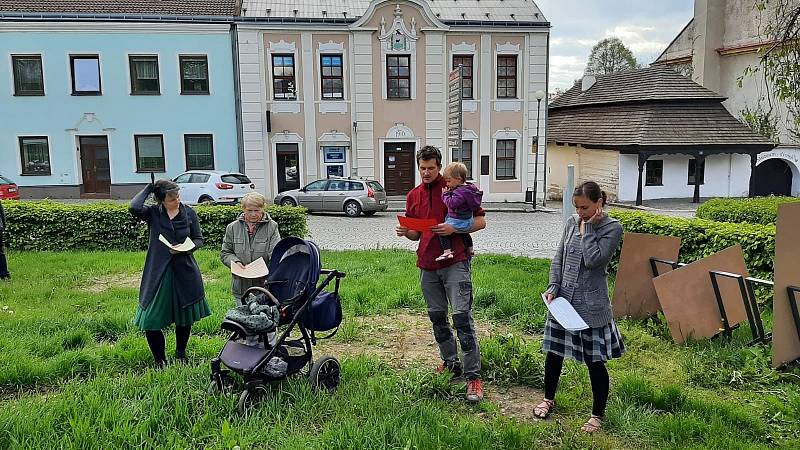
{"x": 520, "y": 234}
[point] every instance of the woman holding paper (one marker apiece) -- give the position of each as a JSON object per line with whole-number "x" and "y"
{"x": 252, "y": 236}
{"x": 172, "y": 287}
{"x": 578, "y": 274}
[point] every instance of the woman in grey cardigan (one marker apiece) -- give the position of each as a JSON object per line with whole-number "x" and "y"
{"x": 578, "y": 273}
{"x": 251, "y": 236}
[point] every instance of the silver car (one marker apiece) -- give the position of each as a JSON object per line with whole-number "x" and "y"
{"x": 351, "y": 196}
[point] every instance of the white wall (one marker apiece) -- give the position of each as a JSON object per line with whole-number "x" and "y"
{"x": 725, "y": 176}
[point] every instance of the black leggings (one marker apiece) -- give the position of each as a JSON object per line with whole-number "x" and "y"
{"x": 597, "y": 374}
{"x": 155, "y": 339}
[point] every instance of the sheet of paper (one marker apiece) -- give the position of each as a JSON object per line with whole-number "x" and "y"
{"x": 565, "y": 314}
{"x": 421, "y": 225}
{"x": 256, "y": 269}
{"x": 187, "y": 245}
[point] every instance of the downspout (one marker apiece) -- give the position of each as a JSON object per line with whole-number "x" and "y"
{"x": 237, "y": 94}
{"x": 546, "y": 115}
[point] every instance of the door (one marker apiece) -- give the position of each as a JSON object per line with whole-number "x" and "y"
{"x": 335, "y": 193}
{"x": 95, "y": 167}
{"x": 399, "y": 168}
{"x": 773, "y": 177}
{"x": 287, "y": 167}
{"x": 312, "y": 195}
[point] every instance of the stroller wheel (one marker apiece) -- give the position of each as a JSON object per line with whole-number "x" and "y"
{"x": 228, "y": 385}
{"x": 250, "y": 397}
{"x": 325, "y": 374}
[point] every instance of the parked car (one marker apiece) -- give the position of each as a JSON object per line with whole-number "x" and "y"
{"x": 8, "y": 189}
{"x": 351, "y": 196}
{"x": 213, "y": 186}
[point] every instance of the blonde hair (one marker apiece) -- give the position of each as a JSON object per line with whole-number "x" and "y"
{"x": 253, "y": 199}
{"x": 456, "y": 170}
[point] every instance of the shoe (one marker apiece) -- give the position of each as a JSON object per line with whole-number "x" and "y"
{"x": 180, "y": 357}
{"x": 443, "y": 256}
{"x": 453, "y": 367}
{"x": 594, "y": 424}
{"x": 474, "y": 390}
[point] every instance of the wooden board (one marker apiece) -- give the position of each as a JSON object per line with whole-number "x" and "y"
{"x": 688, "y": 301}
{"x": 785, "y": 343}
{"x": 634, "y": 293}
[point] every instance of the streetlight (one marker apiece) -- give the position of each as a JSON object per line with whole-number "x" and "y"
{"x": 539, "y": 96}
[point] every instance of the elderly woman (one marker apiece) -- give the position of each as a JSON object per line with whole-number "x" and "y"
{"x": 172, "y": 288}
{"x": 251, "y": 236}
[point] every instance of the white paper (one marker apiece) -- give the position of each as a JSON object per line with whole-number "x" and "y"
{"x": 256, "y": 269}
{"x": 565, "y": 314}
{"x": 187, "y": 245}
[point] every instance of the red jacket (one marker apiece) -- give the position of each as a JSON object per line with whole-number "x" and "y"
{"x": 423, "y": 202}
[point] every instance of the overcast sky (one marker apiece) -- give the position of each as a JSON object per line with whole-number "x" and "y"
{"x": 645, "y": 26}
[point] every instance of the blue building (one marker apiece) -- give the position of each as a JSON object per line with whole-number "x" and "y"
{"x": 92, "y": 102}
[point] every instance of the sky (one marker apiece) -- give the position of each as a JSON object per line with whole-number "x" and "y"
{"x": 644, "y": 26}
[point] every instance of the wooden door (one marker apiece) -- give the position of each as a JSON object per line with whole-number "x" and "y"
{"x": 95, "y": 167}
{"x": 399, "y": 168}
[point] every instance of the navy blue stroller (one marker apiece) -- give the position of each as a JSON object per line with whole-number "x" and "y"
{"x": 293, "y": 286}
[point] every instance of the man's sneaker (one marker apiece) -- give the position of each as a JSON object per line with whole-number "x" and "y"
{"x": 474, "y": 390}
{"x": 453, "y": 367}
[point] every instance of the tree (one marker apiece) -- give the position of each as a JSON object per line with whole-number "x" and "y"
{"x": 610, "y": 56}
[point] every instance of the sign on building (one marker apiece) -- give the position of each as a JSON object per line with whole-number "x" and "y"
{"x": 454, "y": 113}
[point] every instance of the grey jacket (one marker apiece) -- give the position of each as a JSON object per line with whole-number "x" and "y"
{"x": 237, "y": 245}
{"x": 578, "y": 272}
{"x": 2, "y": 217}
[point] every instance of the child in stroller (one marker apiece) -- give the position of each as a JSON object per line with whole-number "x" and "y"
{"x": 291, "y": 298}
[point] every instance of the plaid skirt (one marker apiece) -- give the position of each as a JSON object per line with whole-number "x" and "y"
{"x": 590, "y": 345}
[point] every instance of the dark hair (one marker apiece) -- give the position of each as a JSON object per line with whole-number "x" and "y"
{"x": 590, "y": 190}
{"x": 429, "y": 152}
{"x": 163, "y": 187}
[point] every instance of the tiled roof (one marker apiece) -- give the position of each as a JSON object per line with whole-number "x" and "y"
{"x": 683, "y": 123}
{"x": 166, "y": 7}
{"x": 445, "y": 10}
{"x": 652, "y": 83}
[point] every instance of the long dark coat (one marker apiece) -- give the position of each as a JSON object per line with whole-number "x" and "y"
{"x": 188, "y": 281}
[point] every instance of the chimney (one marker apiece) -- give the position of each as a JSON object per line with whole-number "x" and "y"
{"x": 587, "y": 82}
{"x": 709, "y": 29}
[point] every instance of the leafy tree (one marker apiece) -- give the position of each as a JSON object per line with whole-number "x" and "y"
{"x": 610, "y": 56}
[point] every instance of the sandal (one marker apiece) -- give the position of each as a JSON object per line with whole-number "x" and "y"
{"x": 594, "y": 423}
{"x": 543, "y": 409}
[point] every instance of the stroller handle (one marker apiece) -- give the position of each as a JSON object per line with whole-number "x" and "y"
{"x": 263, "y": 291}
{"x": 335, "y": 273}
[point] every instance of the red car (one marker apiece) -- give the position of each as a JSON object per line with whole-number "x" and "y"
{"x": 8, "y": 189}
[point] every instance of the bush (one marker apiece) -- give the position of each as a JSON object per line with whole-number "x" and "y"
{"x": 52, "y": 226}
{"x": 701, "y": 238}
{"x": 762, "y": 210}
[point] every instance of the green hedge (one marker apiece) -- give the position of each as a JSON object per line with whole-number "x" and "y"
{"x": 762, "y": 210}
{"x": 701, "y": 238}
{"x": 53, "y": 226}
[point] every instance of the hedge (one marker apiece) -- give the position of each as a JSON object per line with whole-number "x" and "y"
{"x": 762, "y": 210}
{"x": 701, "y": 238}
{"x": 52, "y": 226}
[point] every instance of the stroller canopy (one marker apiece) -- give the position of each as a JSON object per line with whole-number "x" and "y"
{"x": 294, "y": 270}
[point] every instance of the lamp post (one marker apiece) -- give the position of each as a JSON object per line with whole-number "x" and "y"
{"x": 539, "y": 96}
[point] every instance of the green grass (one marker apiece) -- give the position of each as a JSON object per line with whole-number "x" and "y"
{"x": 74, "y": 372}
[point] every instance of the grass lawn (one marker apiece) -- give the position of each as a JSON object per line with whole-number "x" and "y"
{"x": 74, "y": 373}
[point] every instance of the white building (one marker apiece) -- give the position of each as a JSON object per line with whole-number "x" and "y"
{"x": 355, "y": 87}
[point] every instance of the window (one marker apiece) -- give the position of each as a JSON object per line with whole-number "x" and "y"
{"x": 283, "y": 84}
{"x": 654, "y": 172}
{"x": 355, "y": 186}
{"x": 375, "y": 186}
{"x": 317, "y": 185}
{"x": 183, "y": 178}
{"x": 35, "y": 155}
{"x": 466, "y": 75}
{"x": 85, "y": 74}
{"x": 200, "y": 178}
{"x": 28, "y": 75}
{"x": 149, "y": 152}
{"x": 332, "y": 77}
{"x": 398, "y": 76}
{"x": 507, "y": 76}
{"x": 235, "y": 178}
{"x": 144, "y": 75}
{"x": 506, "y": 159}
{"x": 199, "y": 151}
{"x": 338, "y": 185}
{"x": 464, "y": 156}
{"x": 694, "y": 172}
{"x": 194, "y": 74}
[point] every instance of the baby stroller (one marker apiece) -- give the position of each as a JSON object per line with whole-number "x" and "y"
{"x": 293, "y": 287}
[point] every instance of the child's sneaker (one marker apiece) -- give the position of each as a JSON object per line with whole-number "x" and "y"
{"x": 471, "y": 251}
{"x": 448, "y": 254}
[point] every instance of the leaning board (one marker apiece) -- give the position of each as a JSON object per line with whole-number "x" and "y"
{"x": 688, "y": 301}
{"x": 785, "y": 343}
{"x": 634, "y": 294}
